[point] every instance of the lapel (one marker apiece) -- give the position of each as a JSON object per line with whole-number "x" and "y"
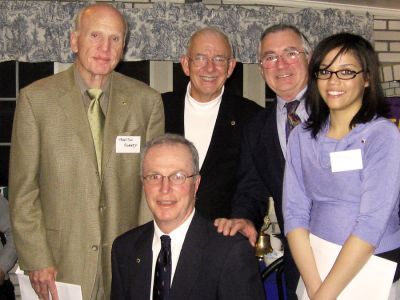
{"x": 224, "y": 125}
{"x": 119, "y": 109}
{"x": 142, "y": 257}
{"x": 190, "y": 259}
{"x": 73, "y": 107}
{"x": 268, "y": 144}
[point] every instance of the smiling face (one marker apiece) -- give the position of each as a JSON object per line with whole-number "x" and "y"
{"x": 285, "y": 79}
{"x": 342, "y": 96}
{"x": 98, "y": 43}
{"x": 207, "y": 81}
{"x": 170, "y": 204}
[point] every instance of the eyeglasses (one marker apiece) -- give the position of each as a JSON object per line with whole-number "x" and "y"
{"x": 174, "y": 179}
{"x": 344, "y": 74}
{"x": 290, "y": 56}
{"x": 202, "y": 60}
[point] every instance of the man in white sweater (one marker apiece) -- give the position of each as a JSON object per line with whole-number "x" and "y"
{"x": 210, "y": 117}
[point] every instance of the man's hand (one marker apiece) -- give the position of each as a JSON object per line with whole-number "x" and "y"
{"x": 2, "y": 277}
{"x": 232, "y": 226}
{"x": 43, "y": 281}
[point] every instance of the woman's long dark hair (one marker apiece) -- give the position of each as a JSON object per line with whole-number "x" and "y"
{"x": 373, "y": 102}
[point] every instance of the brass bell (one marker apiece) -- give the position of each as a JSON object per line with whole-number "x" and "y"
{"x": 263, "y": 245}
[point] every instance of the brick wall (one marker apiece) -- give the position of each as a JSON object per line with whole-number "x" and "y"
{"x": 387, "y": 44}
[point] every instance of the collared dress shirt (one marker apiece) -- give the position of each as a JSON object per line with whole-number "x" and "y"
{"x": 177, "y": 238}
{"x": 281, "y": 116}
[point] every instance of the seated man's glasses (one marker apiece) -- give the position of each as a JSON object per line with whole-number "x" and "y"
{"x": 202, "y": 60}
{"x": 290, "y": 56}
{"x": 344, "y": 74}
{"x": 174, "y": 179}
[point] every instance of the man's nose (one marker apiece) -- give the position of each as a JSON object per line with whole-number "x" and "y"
{"x": 105, "y": 44}
{"x": 165, "y": 184}
{"x": 281, "y": 61}
{"x": 210, "y": 65}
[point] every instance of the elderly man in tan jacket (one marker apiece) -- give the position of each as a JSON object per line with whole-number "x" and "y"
{"x": 74, "y": 182}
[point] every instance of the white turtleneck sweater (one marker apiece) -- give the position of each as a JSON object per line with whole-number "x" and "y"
{"x": 199, "y": 121}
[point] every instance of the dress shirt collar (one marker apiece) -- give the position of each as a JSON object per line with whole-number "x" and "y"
{"x": 83, "y": 88}
{"x": 177, "y": 235}
{"x": 281, "y": 102}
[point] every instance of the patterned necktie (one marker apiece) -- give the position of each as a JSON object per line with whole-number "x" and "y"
{"x": 96, "y": 121}
{"x": 162, "y": 274}
{"x": 292, "y": 118}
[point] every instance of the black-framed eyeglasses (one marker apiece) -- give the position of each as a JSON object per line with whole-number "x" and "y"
{"x": 202, "y": 60}
{"x": 344, "y": 74}
{"x": 174, "y": 179}
{"x": 290, "y": 56}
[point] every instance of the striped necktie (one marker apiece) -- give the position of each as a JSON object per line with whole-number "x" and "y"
{"x": 96, "y": 120}
{"x": 292, "y": 118}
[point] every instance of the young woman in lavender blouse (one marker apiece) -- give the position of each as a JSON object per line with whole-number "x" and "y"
{"x": 342, "y": 176}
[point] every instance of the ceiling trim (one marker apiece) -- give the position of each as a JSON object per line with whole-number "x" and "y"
{"x": 321, "y": 5}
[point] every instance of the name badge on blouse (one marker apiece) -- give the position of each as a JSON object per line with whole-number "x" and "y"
{"x": 346, "y": 160}
{"x": 127, "y": 144}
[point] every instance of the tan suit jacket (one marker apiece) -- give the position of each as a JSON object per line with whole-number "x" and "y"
{"x": 62, "y": 212}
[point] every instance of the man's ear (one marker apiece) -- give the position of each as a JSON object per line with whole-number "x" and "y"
{"x": 185, "y": 64}
{"x": 260, "y": 68}
{"x": 308, "y": 55}
{"x": 231, "y": 66}
{"x": 197, "y": 182}
{"x": 74, "y": 41}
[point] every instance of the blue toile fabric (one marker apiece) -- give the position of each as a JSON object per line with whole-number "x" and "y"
{"x": 38, "y": 31}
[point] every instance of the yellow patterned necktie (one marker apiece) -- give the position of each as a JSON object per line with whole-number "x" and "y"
{"x": 96, "y": 121}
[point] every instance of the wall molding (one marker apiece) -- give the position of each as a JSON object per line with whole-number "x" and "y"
{"x": 321, "y": 5}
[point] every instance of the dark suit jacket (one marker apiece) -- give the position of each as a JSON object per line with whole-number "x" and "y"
{"x": 218, "y": 180}
{"x": 211, "y": 266}
{"x": 261, "y": 169}
{"x": 260, "y": 174}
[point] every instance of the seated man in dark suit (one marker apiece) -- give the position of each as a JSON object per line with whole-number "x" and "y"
{"x": 210, "y": 117}
{"x": 192, "y": 261}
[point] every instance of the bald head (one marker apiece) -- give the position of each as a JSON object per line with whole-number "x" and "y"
{"x": 99, "y": 8}
{"x": 209, "y": 31}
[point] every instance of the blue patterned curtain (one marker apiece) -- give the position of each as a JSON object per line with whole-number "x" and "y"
{"x": 38, "y": 31}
